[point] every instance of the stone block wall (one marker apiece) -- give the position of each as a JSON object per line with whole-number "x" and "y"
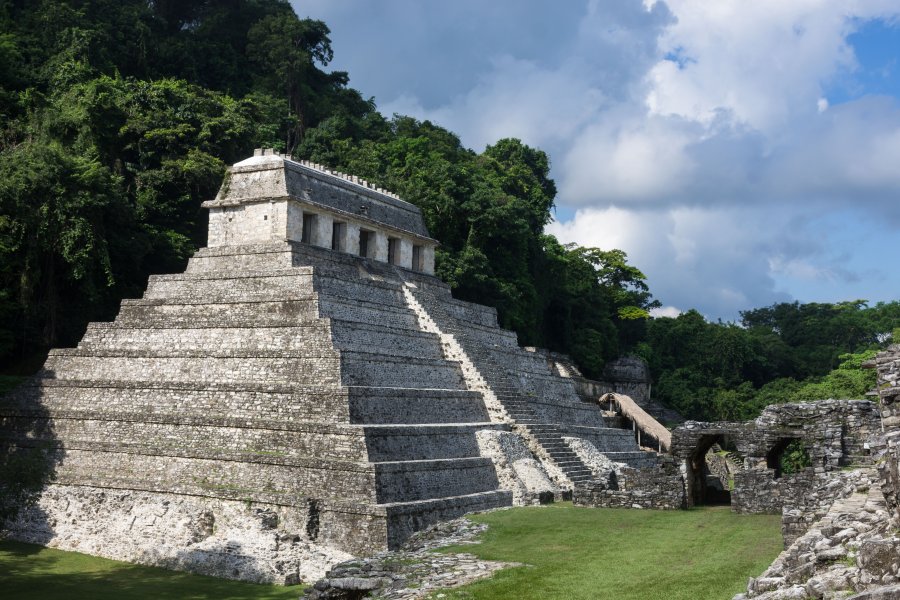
{"x": 757, "y": 491}
{"x": 658, "y": 487}
{"x": 889, "y": 472}
{"x": 834, "y": 433}
{"x": 887, "y": 387}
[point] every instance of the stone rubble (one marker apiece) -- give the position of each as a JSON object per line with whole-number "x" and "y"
{"x": 853, "y": 547}
{"x": 413, "y": 572}
{"x": 517, "y": 468}
{"x": 605, "y": 471}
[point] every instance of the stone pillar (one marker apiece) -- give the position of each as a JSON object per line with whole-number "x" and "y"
{"x": 405, "y": 254}
{"x": 322, "y": 235}
{"x": 217, "y": 235}
{"x": 294, "y": 226}
{"x": 381, "y": 246}
{"x": 428, "y": 259}
{"x": 352, "y": 239}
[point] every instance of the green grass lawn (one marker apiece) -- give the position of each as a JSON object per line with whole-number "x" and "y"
{"x": 622, "y": 554}
{"x": 573, "y": 553}
{"x": 34, "y": 572}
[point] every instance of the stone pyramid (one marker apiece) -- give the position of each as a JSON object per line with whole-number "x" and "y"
{"x": 306, "y": 390}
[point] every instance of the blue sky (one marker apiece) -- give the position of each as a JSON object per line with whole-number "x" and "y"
{"x": 742, "y": 153}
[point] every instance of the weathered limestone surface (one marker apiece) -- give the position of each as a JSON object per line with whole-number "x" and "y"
{"x": 413, "y": 572}
{"x": 842, "y": 534}
{"x": 889, "y": 472}
{"x": 220, "y": 538}
{"x": 887, "y": 388}
{"x": 281, "y": 405}
{"x": 834, "y": 433}
{"x": 850, "y": 549}
{"x": 659, "y": 487}
{"x": 517, "y": 468}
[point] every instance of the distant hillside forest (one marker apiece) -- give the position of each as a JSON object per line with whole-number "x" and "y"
{"x": 119, "y": 117}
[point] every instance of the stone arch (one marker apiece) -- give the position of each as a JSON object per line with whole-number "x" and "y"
{"x": 699, "y": 490}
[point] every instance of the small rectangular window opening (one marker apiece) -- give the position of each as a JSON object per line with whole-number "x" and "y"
{"x": 394, "y": 251}
{"x": 366, "y": 239}
{"x": 309, "y": 224}
{"x": 418, "y": 258}
{"x": 338, "y": 236}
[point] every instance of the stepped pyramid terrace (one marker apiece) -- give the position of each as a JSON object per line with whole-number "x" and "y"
{"x": 306, "y": 391}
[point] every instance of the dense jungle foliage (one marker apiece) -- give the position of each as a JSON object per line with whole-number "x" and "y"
{"x": 118, "y": 118}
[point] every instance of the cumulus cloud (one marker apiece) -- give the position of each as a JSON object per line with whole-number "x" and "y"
{"x": 697, "y": 136}
{"x": 712, "y": 259}
{"x": 665, "y": 311}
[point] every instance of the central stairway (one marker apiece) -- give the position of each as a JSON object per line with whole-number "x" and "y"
{"x": 540, "y": 406}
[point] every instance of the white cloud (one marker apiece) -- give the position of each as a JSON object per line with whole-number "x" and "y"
{"x": 696, "y": 135}
{"x": 665, "y": 311}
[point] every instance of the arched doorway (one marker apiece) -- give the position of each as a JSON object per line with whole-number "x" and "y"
{"x": 710, "y": 469}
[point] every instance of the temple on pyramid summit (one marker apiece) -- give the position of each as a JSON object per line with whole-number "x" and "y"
{"x": 306, "y": 391}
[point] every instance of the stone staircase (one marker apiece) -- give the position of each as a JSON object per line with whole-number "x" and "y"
{"x": 491, "y": 379}
{"x": 547, "y": 436}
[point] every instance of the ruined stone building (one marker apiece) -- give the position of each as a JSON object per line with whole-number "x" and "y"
{"x": 305, "y": 391}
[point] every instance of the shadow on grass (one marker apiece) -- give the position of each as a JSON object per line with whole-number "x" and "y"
{"x": 28, "y": 571}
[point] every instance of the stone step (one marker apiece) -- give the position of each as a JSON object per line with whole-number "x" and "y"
{"x": 571, "y": 461}
{"x": 372, "y": 405}
{"x": 148, "y": 314}
{"x": 565, "y": 457}
{"x": 554, "y": 437}
{"x": 378, "y": 339}
{"x": 227, "y": 440}
{"x": 251, "y": 257}
{"x": 377, "y": 370}
{"x": 405, "y": 518}
{"x": 262, "y": 479}
{"x": 283, "y": 286}
{"x": 367, "y": 312}
{"x": 582, "y": 470}
{"x": 386, "y": 293}
{"x": 319, "y": 370}
{"x": 422, "y": 442}
{"x": 311, "y": 338}
{"x": 322, "y": 350}
{"x": 406, "y": 481}
{"x": 232, "y": 273}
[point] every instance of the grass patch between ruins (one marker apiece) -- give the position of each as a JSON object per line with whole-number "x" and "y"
{"x": 28, "y": 571}
{"x": 621, "y": 554}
